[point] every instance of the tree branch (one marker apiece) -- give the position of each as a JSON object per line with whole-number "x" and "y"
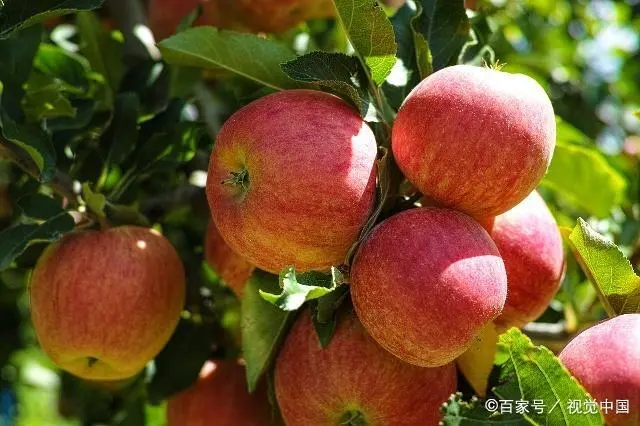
{"x": 61, "y": 183}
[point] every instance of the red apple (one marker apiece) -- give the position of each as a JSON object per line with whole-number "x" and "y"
{"x": 275, "y": 16}
{"x": 530, "y": 244}
{"x": 271, "y": 16}
{"x": 232, "y": 268}
{"x": 354, "y": 381}
{"x": 292, "y": 180}
{"x": 475, "y": 139}
{"x": 425, "y": 282}
{"x": 606, "y": 361}
{"x": 166, "y": 15}
{"x": 104, "y": 303}
{"x": 220, "y": 398}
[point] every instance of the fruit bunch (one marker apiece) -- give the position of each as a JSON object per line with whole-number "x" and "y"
{"x": 292, "y": 182}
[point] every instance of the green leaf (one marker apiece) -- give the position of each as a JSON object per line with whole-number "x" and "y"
{"x": 64, "y": 66}
{"x": 39, "y": 206}
{"x": 324, "y": 313}
{"x": 177, "y": 368}
{"x": 337, "y": 73}
{"x": 122, "y": 134}
{"x": 96, "y": 201}
{"x": 422, "y": 51}
{"x": 371, "y": 35}
{"x": 582, "y": 176}
{"x": 444, "y": 26}
{"x": 104, "y": 53}
{"x": 248, "y": 55}
{"x": 457, "y": 412}
{"x": 531, "y": 373}
{"x": 15, "y": 240}
{"x": 606, "y": 267}
{"x": 16, "y": 62}
{"x": 46, "y": 99}
{"x": 32, "y": 139}
{"x": 397, "y": 91}
{"x": 263, "y": 326}
{"x": 299, "y": 289}
{"x": 17, "y": 14}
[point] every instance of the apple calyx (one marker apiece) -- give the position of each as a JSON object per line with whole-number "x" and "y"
{"x": 239, "y": 178}
{"x": 353, "y": 417}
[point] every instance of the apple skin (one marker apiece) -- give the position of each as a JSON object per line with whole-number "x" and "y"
{"x": 234, "y": 270}
{"x": 269, "y": 16}
{"x": 475, "y": 139}
{"x": 220, "y": 397}
{"x": 606, "y": 361}
{"x": 316, "y": 386}
{"x": 308, "y": 161}
{"x": 530, "y": 244}
{"x": 104, "y": 303}
{"x": 425, "y": 282}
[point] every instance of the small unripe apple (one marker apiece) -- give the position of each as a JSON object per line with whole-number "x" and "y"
{"x": 354, "y": 381}
{"x": 220, "y": 397}
{"x": 425, "y": 282}
{"x": 104, "y": 303}
{"x": 475, "y": 139}
{"x": 530, "y": 244}
{"x": 292, "y": 180}
{"x": 232, "y": 268}
{"x": 606, "y": 361}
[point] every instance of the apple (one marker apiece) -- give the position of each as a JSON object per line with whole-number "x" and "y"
{"x": 292, "y": 180}
{"x": 270, "y": 16}
{"x": 425, "y": 282}
{"x": 232, "y": 268}
{"x": 606, "y": 361}
{"x": 220, "y": 398}
{"x": 530, "y": 244}
{"x": 104, "y": 303}
{"x": 275, "y": 16}
{"x": 354, "y": 381}
{"x": 475, "y": 139}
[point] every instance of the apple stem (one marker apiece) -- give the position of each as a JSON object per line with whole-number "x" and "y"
{"x": 353, "y": 418}
{"x": 240, "y": 178}
{"x": 91, "y": 361}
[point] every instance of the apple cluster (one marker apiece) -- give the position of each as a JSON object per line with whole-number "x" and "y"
{"x": 292, "y": 181}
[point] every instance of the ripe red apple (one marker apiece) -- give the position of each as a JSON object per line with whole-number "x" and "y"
{"x": 104, "y": 303}
{"x": 232, "y": 268}
{"x": 606, "y": 361}
{"x": 475, "y": 139}
{"x": 354, "y": 381}
{"x": 530, "y": 244}
{"x": 220, "y": 398}
{"x": 292, "y": 180}
{"x": 271, "y": 16}
{"x": 425, "y": 282}
{"x": 275, "y": 16}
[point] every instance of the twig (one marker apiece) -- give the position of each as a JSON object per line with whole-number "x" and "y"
{"x": 61, "y": 183}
